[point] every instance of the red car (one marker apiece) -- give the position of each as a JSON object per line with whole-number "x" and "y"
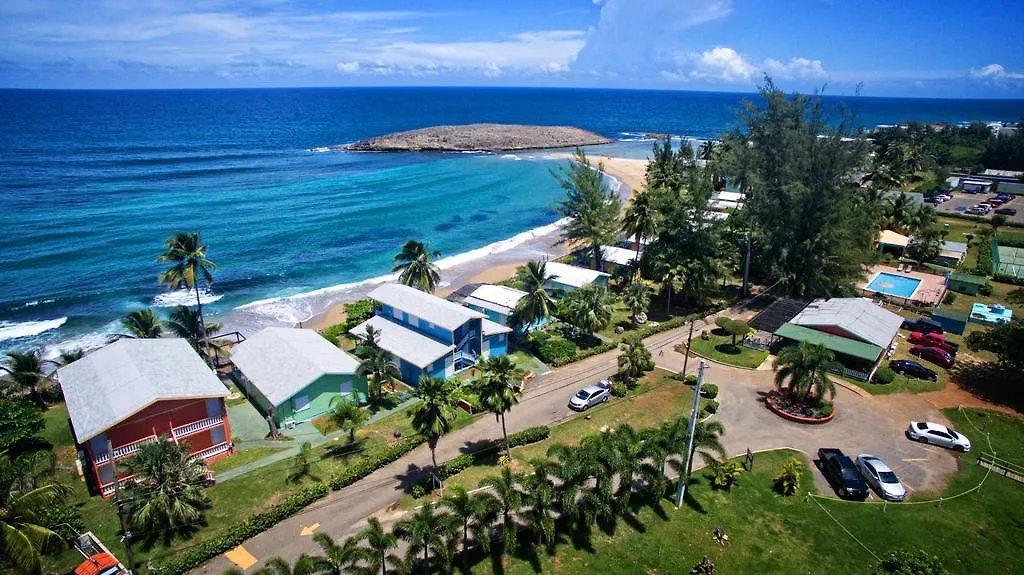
{"x": 935, "y": 355}
{"x": 934, "y": 340}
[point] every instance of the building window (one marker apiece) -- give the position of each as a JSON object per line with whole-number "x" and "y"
{"x": 300, "y": 402}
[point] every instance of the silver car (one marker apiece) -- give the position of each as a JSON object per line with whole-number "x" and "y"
{"x": 937, "y": 434}
{"x": 591, "y": 395}
{"x": 881, "y": 478}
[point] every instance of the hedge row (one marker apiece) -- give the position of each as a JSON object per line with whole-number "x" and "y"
{"x": 583, "y": 354}
{"x": 259, "y": 522}
{"x": 1008, "y": 279}
{"x": 981, "y": 219}
{"x": 463, "y": 462}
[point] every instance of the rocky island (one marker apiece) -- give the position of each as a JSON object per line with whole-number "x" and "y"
{"x": 483, "y": 137}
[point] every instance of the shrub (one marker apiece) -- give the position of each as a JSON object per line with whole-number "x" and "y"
{"x": 690, "y": 379}
{"x": 418, "y": 491}
{"x": 950, "y": 298}
{"x": 788, "y": 481}
{"x": 1008, "y": 279}
{"x": 985, "y": 290}
{"x": 529, "y": 435}
{"x": 710, "y": 407}
{"x": 826, "y": 409}
{"x": 552, "y": 349}
{"x": 725, "y": 473}
{"x": 709, "y": 390}
{"x": 884, "y": 376}
{"x": 20, "y": 420}
{"x": 357, "y": 312}
{"x": 334, "y": 332}
{"x": 619, "y": 389}
{"x": 910, "y": 563}
{"x": 352, "y": 473}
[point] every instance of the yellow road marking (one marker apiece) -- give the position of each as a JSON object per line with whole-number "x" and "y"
{"x": 239, "y": 556}
{"x": 916, "y": 459}
{"x": 309, "y": 530}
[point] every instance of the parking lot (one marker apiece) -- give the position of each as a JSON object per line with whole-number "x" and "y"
{"x": 962, "y": 201}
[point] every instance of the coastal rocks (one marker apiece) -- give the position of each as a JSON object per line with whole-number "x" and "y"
{"x": 479, "y": 137}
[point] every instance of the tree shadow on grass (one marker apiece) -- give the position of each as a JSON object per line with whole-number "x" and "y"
{"x": 344, "y": 450}
{"x": 413, "y": 475}
{"x": 990, "y": 382}
{"x": 728, "y": 349}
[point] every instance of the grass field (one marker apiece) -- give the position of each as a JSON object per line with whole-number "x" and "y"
{"x": 719, "y": 347}
{"x": 977, "y": 533}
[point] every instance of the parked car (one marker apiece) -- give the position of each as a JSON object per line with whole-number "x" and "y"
{"x": 1007, "y": 198}
{"x": 976, "y": 211}
{"x": 591, "y": 395}
{"x": 937, "y": 434}
{"x": 995, "y": 201}
{"x": 881, "y": 477}
{"x": 911, "y": 368}
{"x": 1007, "y": 211}
{"x": 935, "y": 355}
{"x": 923, "y": 325}
{"x": 842, "y": 474}
{"x": 933, "y": 200}
{"x": 934, "y": 340}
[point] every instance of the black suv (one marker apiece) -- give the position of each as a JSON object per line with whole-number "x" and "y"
{"x": 913, "y": 369}
{"x": 923, "y": 325}
{"x": 842, "y": 474}
{"x": 1007, "y": 211}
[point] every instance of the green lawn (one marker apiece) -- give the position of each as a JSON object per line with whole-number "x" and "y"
{"x": 899, "y": 385}
{"x": 977, "y": 533}
{"x": 720, "y": 348}
{"x": 243, "y": 456}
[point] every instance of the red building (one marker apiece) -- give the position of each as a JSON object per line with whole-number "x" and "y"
{"x": 136, "y": 390}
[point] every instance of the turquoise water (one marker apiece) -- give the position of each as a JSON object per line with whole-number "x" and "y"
{"x": 894, "y": 285}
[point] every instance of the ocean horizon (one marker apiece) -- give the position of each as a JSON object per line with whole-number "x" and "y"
{"x": 92, "y": 182}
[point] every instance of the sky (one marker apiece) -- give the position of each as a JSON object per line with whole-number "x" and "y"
{"x": 912, "y": 48}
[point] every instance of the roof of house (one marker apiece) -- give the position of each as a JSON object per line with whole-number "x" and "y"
{"x": 423, "y": 305}
{"x": 500, "y": 296}
{"x": 572, "y": 275}
{"x": 490, "y": 328}
{"x": 950, "y": 314}
{"x": 958, "y": 247}
{"x": 459, "y": 295}
{"x": 402, "y": 342}
{"x": 857, "y": 316}
{"x": 891, "y": 238}
{"x": 617, "y": 255}
{"x": 775, "y": 315}
{"x": 115, "y": 382}
{"x": 977, "y": 182}
{"x": 835, "y": 343}
{"x": 968, "y": 278}
{"x": 282, "y": 361}
{"x": 728, "y": 196}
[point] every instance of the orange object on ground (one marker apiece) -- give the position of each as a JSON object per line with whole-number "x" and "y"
{"x": 98, "y": 565}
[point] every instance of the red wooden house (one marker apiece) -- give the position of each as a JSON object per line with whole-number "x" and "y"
{"x": 135, "y": 390}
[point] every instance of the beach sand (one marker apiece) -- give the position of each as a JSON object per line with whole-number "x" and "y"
{"x": 629, "y": 171}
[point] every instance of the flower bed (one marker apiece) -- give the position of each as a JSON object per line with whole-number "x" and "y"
{"x": 787, "y": 407}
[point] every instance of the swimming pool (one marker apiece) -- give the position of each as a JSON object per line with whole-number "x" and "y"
{"x": 894, "y": 285}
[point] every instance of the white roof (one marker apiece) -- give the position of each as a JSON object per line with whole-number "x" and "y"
{"x": 424, "y": 306}
{"x": 722, "y": 205}
{"x": 717, "y": 215}
{"x": 501, "y": 296}
{"x": 858, "y": 316}
{"x": 402, "y": 342}
{"x": 959, "y": 247}
{"x": 115, "y": 382}
{"x": 1003, "y": 173}
{"x": 977, "y": 182}
{"x": 282, "y": 361}
{"x": 492, "y": 327}
{"x": 617, "y": 255}
{"x": 728, "y": 196}
{"x": 891, "y": 238}
{"x": 572, "y": 275}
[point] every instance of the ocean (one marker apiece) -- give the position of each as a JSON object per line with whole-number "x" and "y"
{"x": 92, "y": 182}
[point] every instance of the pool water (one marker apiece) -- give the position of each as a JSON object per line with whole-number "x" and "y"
{"x": 894, "y": 285}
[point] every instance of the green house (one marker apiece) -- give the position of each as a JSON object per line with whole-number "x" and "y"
{"x": 296, "y": 373}
{"x": 966, "y": 283}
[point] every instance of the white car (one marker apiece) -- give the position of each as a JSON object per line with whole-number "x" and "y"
{"x": 928, "y": 432}
{"x": 881, "y": 478}
{"x": 591, "y": 395}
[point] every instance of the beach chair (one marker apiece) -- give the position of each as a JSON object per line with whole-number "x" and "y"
{"x": 908, "y": 269}
{"x": 899, "y": 268}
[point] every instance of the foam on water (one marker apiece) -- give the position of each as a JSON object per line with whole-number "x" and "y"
{"x": 185, "y": 297}
{"x": 16, "y": 330}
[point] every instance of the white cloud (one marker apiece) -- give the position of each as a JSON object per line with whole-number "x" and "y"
{"x": 996, "y": 72}
{"x": 795, "y": 68}
{"x": 722, "y": 64}
{"x": 725, "y": 64}
{"x": 348, "y": 67}
{"x": 492, "y": 70}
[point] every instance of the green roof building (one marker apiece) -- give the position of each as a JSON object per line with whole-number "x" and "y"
{"x": 966, "y": 283}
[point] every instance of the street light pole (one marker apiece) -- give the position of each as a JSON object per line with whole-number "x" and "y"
{"x": 686, "y": 356}
{"x": 684, "y": 478}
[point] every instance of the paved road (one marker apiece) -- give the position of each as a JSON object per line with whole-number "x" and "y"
{"x": 872, "y": 424}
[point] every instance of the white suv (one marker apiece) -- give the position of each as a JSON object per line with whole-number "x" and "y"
{"x": 928, "y": 432}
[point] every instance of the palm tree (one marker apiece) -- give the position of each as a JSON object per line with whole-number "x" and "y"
{"x": 804, "y": 368}
{"x": 706, "y": 150}
{"x": 537, "y": 304}
{"x": 589, "y": 308}
{"x": 25, "y": 369}
{"x": 637, "y": 298}
{"x": 591, "y": 207}
{"x": 142, "y": 324}
{"x": 378, "y": 365}
{"x": 380, "y": 544}
{"x": 640, "y": 219}
{"x": 22, "y": 536}
{"x": 304, "y": 565}
{"x": 434, "y": 416}
{"x": 672, "y": 278}
{"x": 70, "y": 356}
{"x": 673, "y": 435}
{"x": 414, "y": 266}
{"x": 428, "y": 531}
{"x": 635, "y": 359}
{"x": 167, "y": 493}
{"x": 475, "y": 512}
{"x": 509, "y": 497}
{"x": 186, "y": 323}
{"x": 337, "y": 559}
{"x": 347, "y": 415}
{"x": 497, "y": 393}
{"x": 591, "y": 461}
{"x": 541, "y": 498}
{"x": 189, "y": 269}
{"x": 901, "y": 212}
{"x": 303, "y": 464}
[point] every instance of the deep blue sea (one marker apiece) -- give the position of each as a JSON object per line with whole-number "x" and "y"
{"x": 92, "y": 182}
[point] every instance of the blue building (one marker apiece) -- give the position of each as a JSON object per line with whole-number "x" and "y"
{"x": 431, "y": 336}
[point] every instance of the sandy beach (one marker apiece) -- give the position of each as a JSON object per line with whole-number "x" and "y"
{"x": 630, "y": 171}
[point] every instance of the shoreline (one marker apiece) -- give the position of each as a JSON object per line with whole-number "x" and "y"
{"x": 628, "y": 172}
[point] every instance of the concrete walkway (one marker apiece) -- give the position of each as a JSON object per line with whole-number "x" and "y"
{"x": 871, "y": 424}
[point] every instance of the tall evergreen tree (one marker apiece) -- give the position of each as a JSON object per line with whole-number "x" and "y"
{"x": 591, "y": 207}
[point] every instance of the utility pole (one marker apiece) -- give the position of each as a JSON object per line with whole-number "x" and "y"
{"x": 746, "y": 267}
{"x": 684, "y": 478}
{"x": 686, "y": 357}
{"x": 127, "y": 539}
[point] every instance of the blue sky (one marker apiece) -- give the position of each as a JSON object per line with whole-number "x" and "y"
{"x": 941, "y": 48}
